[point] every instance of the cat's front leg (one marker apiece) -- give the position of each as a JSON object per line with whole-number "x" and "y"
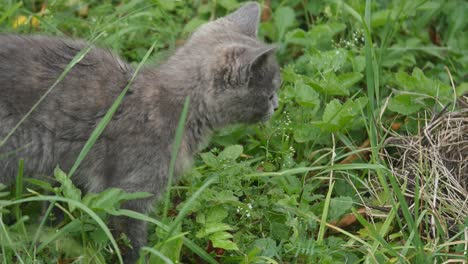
{"x": 135, "y": 230}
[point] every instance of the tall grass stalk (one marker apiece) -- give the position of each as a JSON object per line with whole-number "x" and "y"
{"x": 372, "y": 76}
{"x": 10, "y": 11}
{"x": 157, "y": 254}
{"x": 41, "y": 226}
{"x": 7, "y": 237}
{"x": 175, "y": 150}
{"x": 18, "y": 195}
{"x": 326, "y": 207}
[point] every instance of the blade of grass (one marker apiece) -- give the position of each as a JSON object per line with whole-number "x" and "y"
{"x": 323, "y": 220}
{"x": 407, "y": 215}
{"x": 2, "y": 245}
{"x": 385, "y": 228}
{"x": 41, "y": 225}
{"x": 18, "y": 193}
{"x": 8, "y": 239}
{"x": 175, "y": 237}
{"x": 10, "y": 11}
{"x": 375, "y": 235}
{"x": 348, "y": 9}
{"x": 326, "y": 206}
{"x": 108, "y": 116}
{"x": 61, "y": 232}
{"x": 327, "y": 168}
{"x": 175, "y": 151}
{"x": 158, "y": 254}
{"x": 415, "y": 233}
{"x": 372, "y": 81}
{"x": 199, "y": 251}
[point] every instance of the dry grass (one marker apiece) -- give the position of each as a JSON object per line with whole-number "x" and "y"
{"x": 435, "y": 164}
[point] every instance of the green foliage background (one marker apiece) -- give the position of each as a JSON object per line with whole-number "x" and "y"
{"x": 352, "y": 71}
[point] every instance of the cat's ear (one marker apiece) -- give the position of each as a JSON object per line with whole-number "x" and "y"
{"x": 259, "y": 56}
{"x": 246, "y": 18}
{"x": 237, "y": 63}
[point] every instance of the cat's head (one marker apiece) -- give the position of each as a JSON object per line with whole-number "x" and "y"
{"x": 241, "y": 71}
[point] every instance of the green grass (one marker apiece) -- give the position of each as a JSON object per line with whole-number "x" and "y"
{"x": 354, "y": 72}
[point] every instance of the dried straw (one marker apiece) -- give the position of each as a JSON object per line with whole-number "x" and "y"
{"x": 436, "y": 160}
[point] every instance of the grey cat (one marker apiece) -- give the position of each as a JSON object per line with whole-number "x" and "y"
{"x": 230, "y": 76}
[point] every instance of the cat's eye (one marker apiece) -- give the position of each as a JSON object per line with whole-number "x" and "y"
{"x": 271, "y": 97}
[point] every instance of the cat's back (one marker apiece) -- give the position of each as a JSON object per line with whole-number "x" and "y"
{"x": 57, "y": 128}
{"x": 30, "y": 65}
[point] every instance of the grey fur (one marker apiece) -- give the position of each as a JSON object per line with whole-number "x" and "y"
{"x": 231, "y": 77}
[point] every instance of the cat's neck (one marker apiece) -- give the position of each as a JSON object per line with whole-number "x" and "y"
{"x": 169, "y": 90}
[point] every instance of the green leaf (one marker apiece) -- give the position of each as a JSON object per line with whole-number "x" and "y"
{"x": 405, "y": 104}
{"x": 231, "y": 152}
{"x": 99, "y": 236}
{"x": 67, "y": 188}
{"x": 382, "y": 17}
{"x": 216, "y": 214}
{"x": 268, "y": 246}
{"x": 298, "y": 37}
{"x": 306, "y": 95}
{"x": 347, "y": 80}
{"x": 110, "y": 199}
{"x": 332, "y": 60}
{"x": 167, "y": 5}
{"x": 211, "y": 228}
{"x": 339, "y": 85}
{"x": 170, "y": 247}
{"x": 418, "y": 83}
{"x": 462, "y": 89}
{"x": 321, "y": 36}
{"x": 279, "y": 231}
{"x": 210, "y": 159}
{"x": 222, "y": 240}
{"x": 406, "y": 82}
{"x": 284, "y": 18}
{"x": 332, "y": 85}
{"x": 228, "y": 4}
{"x": 305, "y": 132}
{"x": 42, "y": 184}
{"x": 338, "y": 117}
{"x": 339, "y": 206}
{"x": 225, "y": 196}
{"x": 193, "y": 24}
